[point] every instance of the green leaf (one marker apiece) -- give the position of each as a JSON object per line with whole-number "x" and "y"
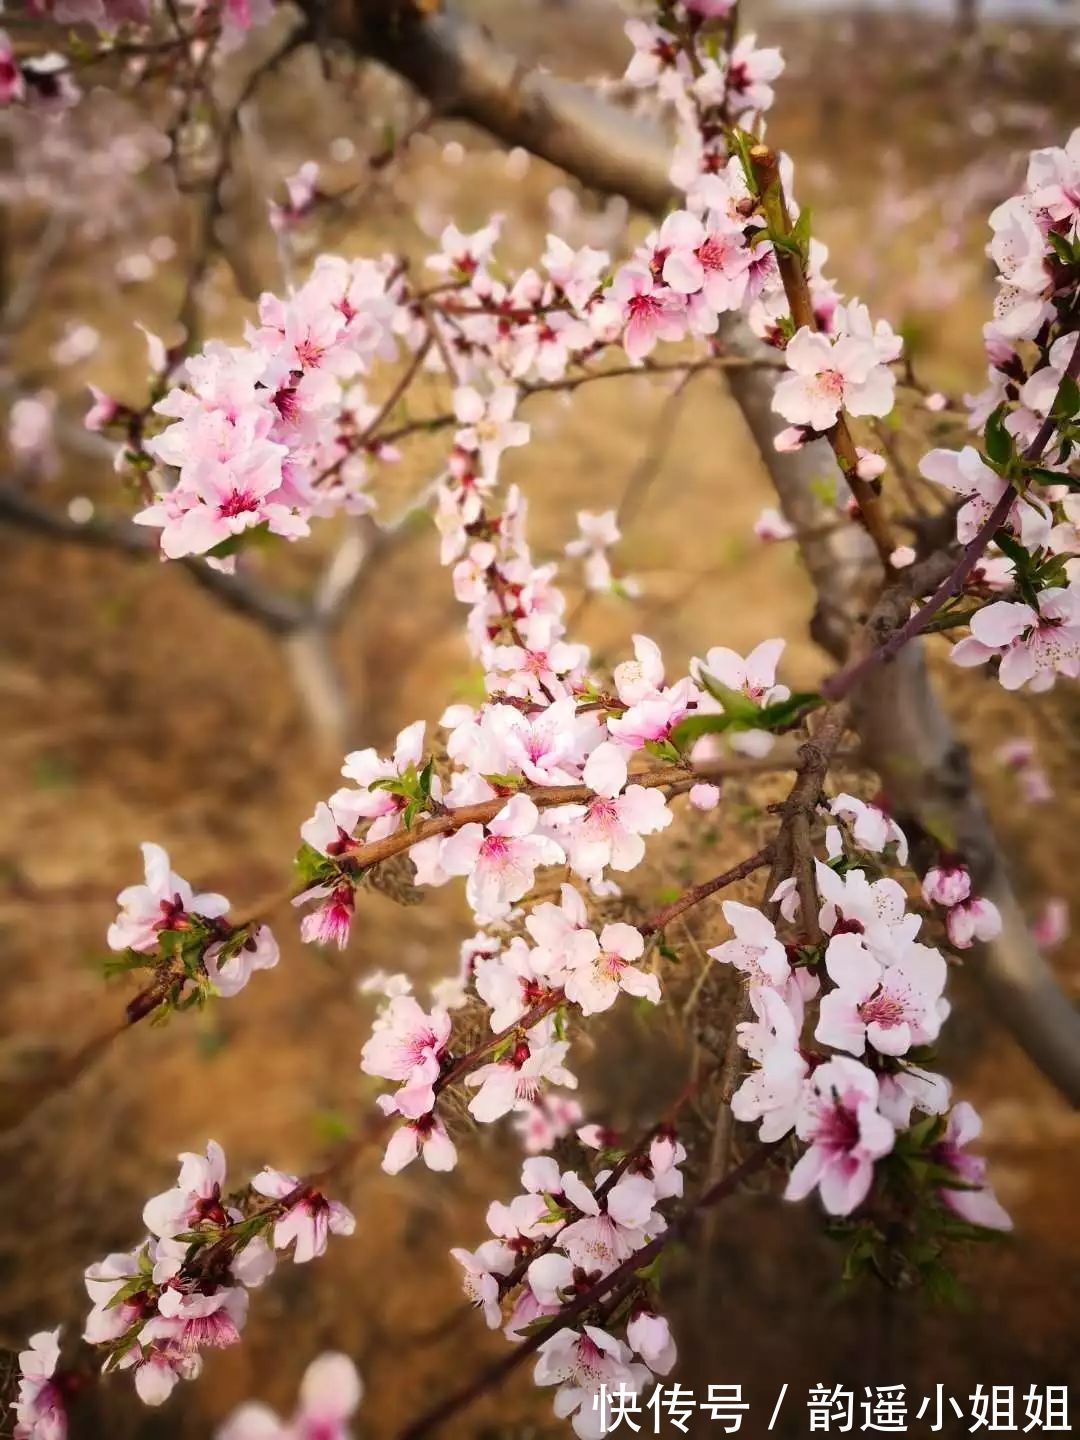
{"x": 737, "y": 706}
{"x": 999, "y": 443}
{"x": 505, "y": 782}
{"x": 1067, "y": 402}
{"x": 314, "y": 868}
{"x": 785, "y": 712}
{"x": 664, "y": 750}
{"x": 800, "y": 234}
{"x": 694, "y": 726}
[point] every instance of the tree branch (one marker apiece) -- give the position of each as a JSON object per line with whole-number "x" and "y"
{"x": 906, "y": 735}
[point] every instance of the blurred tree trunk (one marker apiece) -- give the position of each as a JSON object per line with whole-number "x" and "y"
{"x": 967, "y": 18}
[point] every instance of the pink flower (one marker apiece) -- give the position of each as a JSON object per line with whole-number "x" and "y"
{"x": 164, "y": 903}
{"x": 195, "y": 1197}
{"x": 108, "y": 1320}
{"x": 754, "y": 949}
{"x": 372, "y": 802}
{"x": 40, "y": 1413}
{"x": 871, "y": 828}
{"x": 302, "y": 189}
{"x": 839, "y": 1116}
{"x": 188, "y": 1323}
{"x": 580, "y": 1362}
{"x": 407, "y": 1045}
{"x": 891, "y": 1009}
{"x": 966, "y": 473}
{"x": 103, "y": 411}
{"x": 309, "y": 1219}
{"x": 426, "y": 1137}
{"x": 514, "y": 1083}
{"x": 259, "y": 951}
{"x": 594, "y": 984}
{"x": 488, "y": 425}
{"x": 771, "y": 1093}
{"x": 501, "y": 861}
{"x": 650, "y": 1335}
{"x": 704, "y": 797}
{"x": 480, "y": 1283}
{"x": 747, "y": 77}
{"x": 946, "y": 883}
{"x": 465, "y": 254}
{"x": 829, "y": 376}
{"x": 643, "y": 677}
{"x": 561, "y": 933}
{"x": 330, "y": 923}
{"x": 976, "y": 1202}
{"x": 654, "y": 53}
{"x": 712, "y": 259}
{"x": 652, "y": 312}
{"x": 754, "y": 677}
{"x": 973, "y": 919}
{"x": 1034, "y": 645}
{"x": 771, "y": 525}
{"x": 608, "y": 832}
{"x": 330, "y": 1394}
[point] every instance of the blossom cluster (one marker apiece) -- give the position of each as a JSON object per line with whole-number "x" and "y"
{"x": 554, "y": 1242}
{"x": 184, "y": 1288}
{"x": 47, "y": 81}
{"x": 504, "y": 757}
{"x": 183, "y": 937}
{"x": 870, "y": 996}
{"x": 1029, "y": 413}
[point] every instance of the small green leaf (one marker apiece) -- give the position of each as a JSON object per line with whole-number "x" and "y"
{"x": 999, "y": 443}
{"x": 1067, "y": 402}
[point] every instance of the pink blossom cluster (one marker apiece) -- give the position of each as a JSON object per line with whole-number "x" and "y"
{"x": 47, "y": 80}
{"x": 184, "y": 1289}
{"x": 1031, "y": 399}
{"x": 870, "y": 999}
{"x": 968, "y": 917}
{"x": 165, "y": 921}
{"x": 558, "y": 1238}
{"x": 264, "y": 432}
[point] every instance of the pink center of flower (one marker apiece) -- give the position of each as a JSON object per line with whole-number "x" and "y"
{"x": 495, "y": 850}
{"x": 881, "y": 1009}
{"x": 238, "y": 502}
{"x": 309, "y": 353}
{"x": 838, "y": 1129}
{"x": 209, "y": 1332}
{"x": 831, "y": 383}
{"x": 644, "y": 308}
{"x": 712, "y": 253}
{"x": 172, "y": 915}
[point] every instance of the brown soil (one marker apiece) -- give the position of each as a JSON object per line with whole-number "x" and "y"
{"x": 135, "y": 708}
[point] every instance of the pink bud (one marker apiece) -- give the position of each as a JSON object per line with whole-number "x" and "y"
{"x": 946, "y": 885}
{"x": 704, "y": 797}
{"x": 790, "y": 440}
{"x": 870, "y": 465}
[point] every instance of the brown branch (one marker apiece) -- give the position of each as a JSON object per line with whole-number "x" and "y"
{"x": 544, "y": 797}
{"x": 697, "y": 893}
{"x": 770, "y": 188}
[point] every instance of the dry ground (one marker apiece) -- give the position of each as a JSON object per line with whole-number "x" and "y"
{"x": 134, "y": 708}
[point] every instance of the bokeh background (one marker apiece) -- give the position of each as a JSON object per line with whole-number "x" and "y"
{"x": 134, "y": 706}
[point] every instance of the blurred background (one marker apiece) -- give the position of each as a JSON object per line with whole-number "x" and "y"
{"x": 136, "y": 704}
